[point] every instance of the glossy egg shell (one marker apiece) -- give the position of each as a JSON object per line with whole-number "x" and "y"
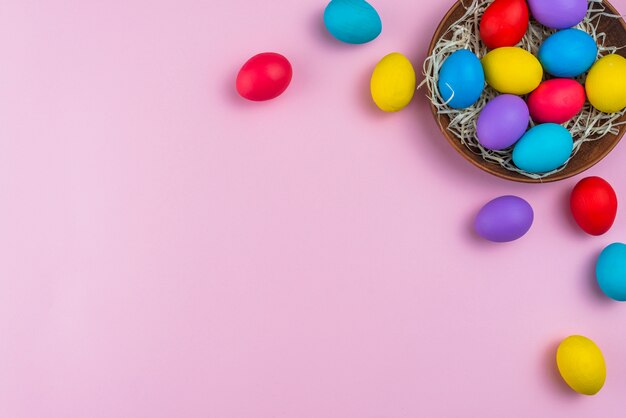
{"x": 593, "y": 203}
{"x": 264, "y": 77}
{"x": 606, "y": 84}
{"x": 393, "y": 82}
{"x": 461, "y": 79}
{"x": 504, "y": 219}
{"x": 502, "y": 122}
{"x": 512, "y": 70}
{"x": 581, "y": 364}
{"x": 352, "y": 21}
{"x": 556, "y": 100}
{"x": 558, "y": 14}
{"x": 568, "y": 53}
{"x": 504, "y": 23}
{"x": 611, "y": 271}
{"x": 543, "y": 148}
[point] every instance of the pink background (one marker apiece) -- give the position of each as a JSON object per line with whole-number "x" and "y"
{"x": 168, "y": 249}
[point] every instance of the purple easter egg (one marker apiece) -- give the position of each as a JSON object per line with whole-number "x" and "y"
{"x": 502, "y": 122}
{"x": 558, "y": 14}
{"x": 504, "y": 219}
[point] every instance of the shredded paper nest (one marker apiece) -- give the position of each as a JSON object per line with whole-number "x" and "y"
{"x": 589, "y": 125}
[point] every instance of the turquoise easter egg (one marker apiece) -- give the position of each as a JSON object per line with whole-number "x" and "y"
{"x": 543, "y": 148}
{"x": 461, "y": 79}
{"x": 568, "y": 53}
{"x": 611, "y": 271}
{"x": 352, "y": 21}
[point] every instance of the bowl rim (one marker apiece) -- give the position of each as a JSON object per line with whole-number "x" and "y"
{"x": 462, "y": 149}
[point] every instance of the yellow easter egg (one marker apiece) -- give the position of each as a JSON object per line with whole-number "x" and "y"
{"x": 393, "y": 82}
{"x": 606, "y": 84}
{"x": 512, "y": 70}
{"x": 581, "y": 364}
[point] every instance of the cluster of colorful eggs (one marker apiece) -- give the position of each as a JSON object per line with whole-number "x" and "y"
{"x": 267, "y": 75}
{"x": 514, "y": 72}
{"x": 593, "y": 204}
{"x": 504, "y": 121}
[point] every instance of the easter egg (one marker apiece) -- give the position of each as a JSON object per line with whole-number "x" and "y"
{"x": 594, "y": 205}
{"x": 611, "y": 271}
{"x": 581, "y": 364}
{"x": 512, "y": 70}
{"x": 543, "y": 148}
{"x": 393, "y": 82}
{"x": 461, "y": 79}
{"x": 504, "y": 219}
{"x": 502, "y": 122}
{"x": 606, "y": 84}
{"x": 352, "y": 21}
{"x": 556, "y": 100}
{"x": 568, "y": 53}
{"x": 264, "y": 77}
{"x": 504, "y": 23}
{"x": 558, "y": 14}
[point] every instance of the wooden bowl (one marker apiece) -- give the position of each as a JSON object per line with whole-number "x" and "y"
{"x": 589, "y": 154}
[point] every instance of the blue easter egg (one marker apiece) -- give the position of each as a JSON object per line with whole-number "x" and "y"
{"x": 461, "y": 79}
{"x": 568, "y": 53}
{"x": 352, "y": 21}
{"x": 611, "y": 271}
{"x": 543, "y": 148}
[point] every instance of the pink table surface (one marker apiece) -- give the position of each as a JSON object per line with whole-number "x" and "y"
{"x": 168, "y": 249}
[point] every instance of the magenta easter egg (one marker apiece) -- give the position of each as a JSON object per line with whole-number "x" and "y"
{"x": 504, "y": 219}
{"x": 502, "y": 122}
{"x": 556, "y": 101}
{"x": 264, "y": 77}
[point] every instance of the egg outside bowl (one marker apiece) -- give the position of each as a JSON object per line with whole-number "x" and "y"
{"x": 589, "y": 153}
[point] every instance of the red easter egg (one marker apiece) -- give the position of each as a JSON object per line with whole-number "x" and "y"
{"x": 594, "y": 205}
{"x": 504, "y": 23}
{"x": 556, "y": 101}
{"x": 264, "y": 77}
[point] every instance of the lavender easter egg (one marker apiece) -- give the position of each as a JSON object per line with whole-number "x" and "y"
{"x": 558, "y": 14}
{"x": 504, "y": 219}
{"x": 502, "y": 122}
